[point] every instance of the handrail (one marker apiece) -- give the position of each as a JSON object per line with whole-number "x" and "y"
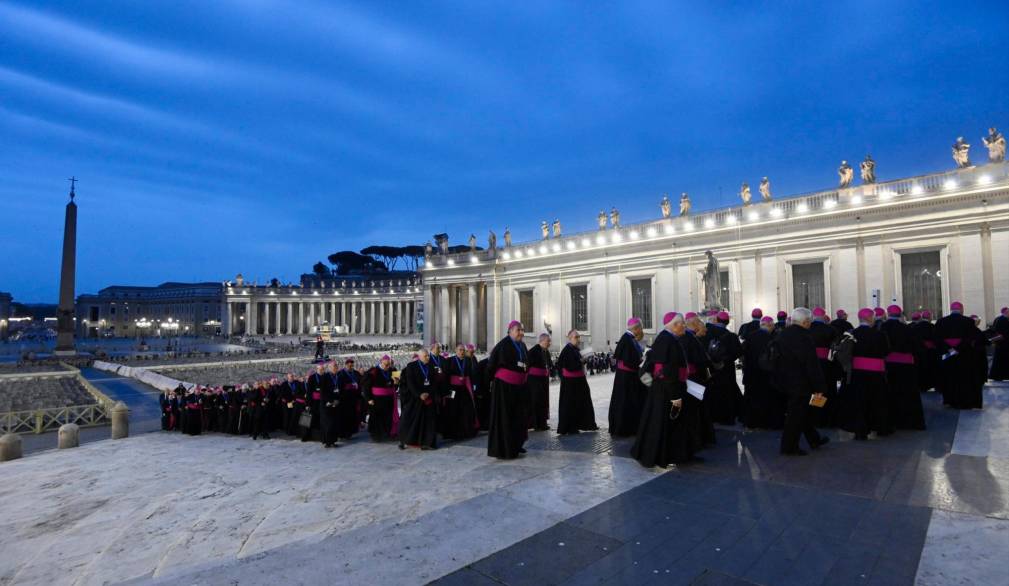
{"x": 43, "y": 420}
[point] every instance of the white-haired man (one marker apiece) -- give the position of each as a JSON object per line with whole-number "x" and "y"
{"x": 799, "y": 376}
{"x": 663, "y": 436}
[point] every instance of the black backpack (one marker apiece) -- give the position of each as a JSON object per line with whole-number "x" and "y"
{"x": 769, "y": 358}
{"x": 842, "y": 351}
{"x": 716, "y": 353}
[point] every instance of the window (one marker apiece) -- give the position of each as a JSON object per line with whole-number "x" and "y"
{"x": 526, "y": 310}
{"x": 93, "y": 314}
{"x": 641, "y": 301}
{"x": 580, "y": 307}
{"x": 808, "y": 285}
{"x": 723, "y": 283}
{"x": 112, "y": 310}
{"x": 921, "y": 282}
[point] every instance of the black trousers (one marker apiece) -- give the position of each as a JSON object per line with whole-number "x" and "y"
{"x": 797, "y": 421}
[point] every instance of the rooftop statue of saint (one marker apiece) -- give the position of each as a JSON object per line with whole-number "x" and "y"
{"x": 996, "y": 145}
{"x": 845, "y": 173}
{"x": 765, "y": 189}
{"x": 601, "y": 219}
{"x": 614, "y": 217}
{"x": 684, "y": 204}
{"x": 507, "y": 237}
{"x": 961, "y": 153}
{"x": 745, "y": 194}
{"x": 667, "y": 208}
{"x": 712, "y": 283}
{"x": 491, "y": 240}
{"x": 868, "y": 169}
{"x": 557, "y": 228}
{"x": 472, "y": 242}
{"x": 545, "y": 229}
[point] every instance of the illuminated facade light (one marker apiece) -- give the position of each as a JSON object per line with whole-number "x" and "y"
{"x": 556, "y": 247}
{"x": 600, "y": 239}
{"x": 634, "y": 235}
{"x": 474, "y": 259}
{"x": 688, "y": 226}
{"x": 856, "y": 199}
{"x": 507, "y": 256}
{"x": 543, "y": 249}
{"x": 651, "y": 233}
{"x": 450, "y": 263}
{"x": 830, "y": 204}
{"x": 670, "y": 229}
{"x": 984, "y": 180}
{"x": 616, "y": 237}
{"x": 531, "y": 252}
{"x": 709, "y": 223}
{"x": 776, "y": 212}
{"x": 518, "y": 254}
{"x": 802, "y": 208}
{"x": 586, "y": 242}
{"x": 917, "y": 190}
{"x": 949, "y": 184}
{"x": 571, "y": 244}
{"x": 754, "y": 216}
{"x": 730, "y": 220}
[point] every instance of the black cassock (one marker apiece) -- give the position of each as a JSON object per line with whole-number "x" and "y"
{"x": 1000, "y": 359}
{"x": 722, "y": 394}
{"x": 927, "y": 363}
{"x": 902, "y": 375}
{"x": 798, "y": 375}
{"x": 418, "y": 424}
{"x": 481, "y": 392}
{"x": 167, "y": 416}
{"x": 662, "y": 440}
{"x": 864, "y": 403}
{"x": 383, "y": 415}
{"x": 194, "y": 414}
{"x": 842, "y": 325}
{"x": 824, "y": 336}
{"x": 540, "y": 365}
{"x": 294, "y": 393}
{"x": 458, "y": 418}
{"x": 698, "y": 370}
{"x": 506, "y": 369}
{"x": 574, "y": 407}
{"x": 348, "y": 412}
{"x": 958, "y": 371}
{"x": 313, "y": 392}
{"x": 329, "y": 405}
{"x": 763, "y": 404}
{"x": 628, "y": 396}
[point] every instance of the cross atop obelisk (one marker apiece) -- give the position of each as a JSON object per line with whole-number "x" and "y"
{"x": 65, "y": 323}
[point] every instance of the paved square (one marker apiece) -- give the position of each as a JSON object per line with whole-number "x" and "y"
{"x": 215, "y": 509}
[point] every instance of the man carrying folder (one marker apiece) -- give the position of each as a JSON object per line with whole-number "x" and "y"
{"x": 798, "y": 374}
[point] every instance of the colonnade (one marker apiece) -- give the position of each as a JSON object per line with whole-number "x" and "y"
{"x": 257, "y": 316}
{"x": 457, "y": 313}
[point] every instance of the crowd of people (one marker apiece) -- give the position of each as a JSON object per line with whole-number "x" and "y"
{"x": 800, "y": 372}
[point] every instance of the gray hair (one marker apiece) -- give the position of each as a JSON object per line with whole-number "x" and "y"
{"x": 801, "y": 314}
{"x": 544, "y": 336}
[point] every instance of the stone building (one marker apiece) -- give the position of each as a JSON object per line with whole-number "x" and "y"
{"x": 384, "y": 304}
{"x": 169, "y": 309}
{"x": 921, "y": 242}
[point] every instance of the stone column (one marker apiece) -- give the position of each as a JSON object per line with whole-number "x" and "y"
{"x": 381, "y": 317}
{"x": 430, "y": 313}
{"x": 248, "y": 318}
{"x": 290, "y": 318}
{"x": 353, "y": 317}
{"x": 444, "y": 319}
{"x": 276, "y": 328}
{"x": 10, "y": 447}
{"x": 226, "y": 322}
{"x": 471, "y": 311}
{"x": 266, "y": 318}
{"x": 311, "y": 315}
{"x": 68, "y": 436}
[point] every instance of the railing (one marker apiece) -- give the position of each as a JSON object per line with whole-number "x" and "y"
{"x": 739, "y": 216}
{"x": 43, "y": 420}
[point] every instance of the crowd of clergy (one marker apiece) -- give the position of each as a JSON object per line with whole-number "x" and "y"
{"x": 800, "y": 372}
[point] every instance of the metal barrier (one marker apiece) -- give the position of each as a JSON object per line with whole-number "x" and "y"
{"x": 43, "y": 420}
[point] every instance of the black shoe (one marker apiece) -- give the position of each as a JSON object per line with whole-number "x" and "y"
{"x": 824, "y": 440}
{"x": 795, "y": 453}
{"x": 402, "y": 447}
{"x": 522, "y": 450}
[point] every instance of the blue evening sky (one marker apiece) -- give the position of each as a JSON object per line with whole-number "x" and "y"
{"x": 229, "y": 136}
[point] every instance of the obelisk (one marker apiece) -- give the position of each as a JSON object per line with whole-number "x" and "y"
{"x": 68, "y": 272}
